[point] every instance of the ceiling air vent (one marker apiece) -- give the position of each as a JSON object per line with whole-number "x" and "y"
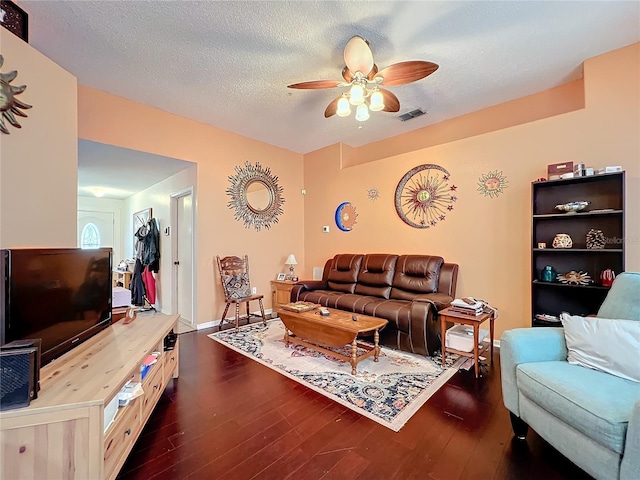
{"x": 412, "y": 114}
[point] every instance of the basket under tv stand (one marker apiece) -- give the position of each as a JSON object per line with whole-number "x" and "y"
{"x": 61, "y": 434}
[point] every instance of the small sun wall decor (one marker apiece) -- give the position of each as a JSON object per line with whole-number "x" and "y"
{"x": 424, "y": 197}
{"x": 10, "y": 106}
{"x": 492, "y": 184}
{"x": 373, "y": 194}
{"x": 346, "y": 216}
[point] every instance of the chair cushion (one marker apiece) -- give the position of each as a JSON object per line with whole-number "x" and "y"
{"x": 611, "y": 346}
{"x": 237, "y": 286}
{"x": 595, "y": 403}
{"x": 623, "y": 300}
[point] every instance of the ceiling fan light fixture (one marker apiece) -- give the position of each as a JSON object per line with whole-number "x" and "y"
{"x": 376, "y": 102}
{"x": 356, "y": 94}
{"x": 343, "y": 109}
{"x": 362, "y": 113}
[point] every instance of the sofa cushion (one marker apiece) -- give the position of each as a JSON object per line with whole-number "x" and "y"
{"x": 326, "y": 298}
{"x": 343, "y": 272}
{"x": 611, "y": 346}
{"x": 353, "y": 302}
{"x": 595, "y": 403}
{"x": 398, "y": 312}
{"x": 415, "y": 274}
{"x": 376, "y": 275}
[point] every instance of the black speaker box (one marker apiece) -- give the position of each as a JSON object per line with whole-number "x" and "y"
{"x": 28, "y": 343}
{"x": 16, "y": 377}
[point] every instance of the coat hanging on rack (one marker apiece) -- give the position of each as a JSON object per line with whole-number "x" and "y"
{"x": 147, "y": 255}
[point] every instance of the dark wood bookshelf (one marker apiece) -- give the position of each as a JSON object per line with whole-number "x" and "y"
{"x": 605, "y": 212}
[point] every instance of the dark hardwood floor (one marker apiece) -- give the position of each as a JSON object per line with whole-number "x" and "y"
{"x": 229, "y": 417}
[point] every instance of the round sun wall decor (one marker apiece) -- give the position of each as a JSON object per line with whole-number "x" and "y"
{"x": 424, "y": 197}
{"x": 492, "y": 184}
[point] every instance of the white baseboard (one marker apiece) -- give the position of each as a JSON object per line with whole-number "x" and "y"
{"x": 215, "y": 323}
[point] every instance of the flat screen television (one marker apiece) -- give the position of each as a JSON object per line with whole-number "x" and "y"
{"x": 61, "y": 295}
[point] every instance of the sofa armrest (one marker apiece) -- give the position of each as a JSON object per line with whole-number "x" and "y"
{"x": 305, "y": 285}
{"x": 526, "y": 345}
{"x": 630, "y": 465}
{"x": 438, "y": 300}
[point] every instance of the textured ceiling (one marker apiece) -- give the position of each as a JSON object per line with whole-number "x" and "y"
{"x": 228, "y": 63}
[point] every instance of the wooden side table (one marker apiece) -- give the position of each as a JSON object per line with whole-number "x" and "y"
{"x": 281, "y": 292}
{"x": 475, "y": 322}
{"x": 122, "y": 276}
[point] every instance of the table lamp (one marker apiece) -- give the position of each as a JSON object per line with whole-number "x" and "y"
{"x": 291, "y": 261}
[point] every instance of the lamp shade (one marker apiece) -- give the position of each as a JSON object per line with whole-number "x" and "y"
{"x": 362, "y": 113}
{"x": 343, "y": 107}
{"x": 291, "y": 260}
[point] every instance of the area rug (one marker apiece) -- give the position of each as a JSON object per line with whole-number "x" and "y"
{"x": 389, "y": 391}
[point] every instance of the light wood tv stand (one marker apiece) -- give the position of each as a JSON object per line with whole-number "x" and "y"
{"x": 61, "y": 433}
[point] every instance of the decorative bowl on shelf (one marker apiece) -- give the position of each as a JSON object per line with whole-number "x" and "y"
{"x": 575, "y": 278}
{"x": 562, "y": 240}
{"x": 572, "y": 207}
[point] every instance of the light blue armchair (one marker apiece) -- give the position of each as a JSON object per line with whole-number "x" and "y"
{"x": 591, "y": 417}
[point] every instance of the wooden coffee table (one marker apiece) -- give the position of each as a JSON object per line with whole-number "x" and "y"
{"x": 335, "y": 330}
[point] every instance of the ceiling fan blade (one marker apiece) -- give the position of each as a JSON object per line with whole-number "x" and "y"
{"x": 406, "y": 72}
{"x": 373, "y": 72}
{"x": 332, "y": 108}
{"x": 358, "y": 56}
{"x": 315, "y": 84}
{"x": 391, "y": 102}
{"x": 346, "y": 74}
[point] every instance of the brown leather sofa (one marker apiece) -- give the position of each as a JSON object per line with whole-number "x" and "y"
{"x": 407, "y": 290}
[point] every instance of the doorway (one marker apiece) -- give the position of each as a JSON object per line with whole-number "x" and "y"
{"x": 97, "y": 229}
{"x": 182, "y": 224}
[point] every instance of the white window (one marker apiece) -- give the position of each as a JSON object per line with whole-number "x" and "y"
{"x": 90, "y": 237}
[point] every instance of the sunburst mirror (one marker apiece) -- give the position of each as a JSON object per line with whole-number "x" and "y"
{"x": 10, "y": 106}
{"x": 256, "y": 196}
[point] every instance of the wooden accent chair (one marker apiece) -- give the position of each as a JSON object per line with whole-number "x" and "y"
{"x": 234, "y": 274}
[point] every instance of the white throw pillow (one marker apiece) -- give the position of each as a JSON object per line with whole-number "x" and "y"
{"x": 612, "y": 346}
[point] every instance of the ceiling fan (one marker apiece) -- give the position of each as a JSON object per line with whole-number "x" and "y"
{"x": 365, "y": 80}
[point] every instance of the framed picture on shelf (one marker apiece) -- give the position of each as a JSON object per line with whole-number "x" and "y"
{"x": 281, "y": 276}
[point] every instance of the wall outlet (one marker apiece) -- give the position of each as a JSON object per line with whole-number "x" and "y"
{"x": 254, "y": 290}
{"x": 325, "y": 229}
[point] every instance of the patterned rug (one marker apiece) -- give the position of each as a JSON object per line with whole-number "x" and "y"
{"x": 388, "y": 392}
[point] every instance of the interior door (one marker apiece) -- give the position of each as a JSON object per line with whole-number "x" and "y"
{"x": 183, "y": 261}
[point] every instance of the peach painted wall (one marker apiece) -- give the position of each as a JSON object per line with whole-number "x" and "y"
{"x": 40, "y": 160}
{"x": 113, "y": 120}
{"x": 488, "y": 237}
